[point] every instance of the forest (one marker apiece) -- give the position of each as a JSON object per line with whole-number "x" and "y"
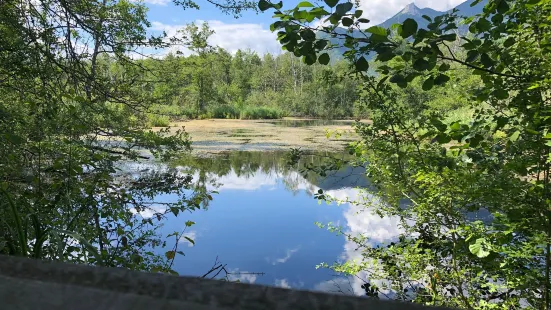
{"x": 248, "y": 86}
{"x": 213, "y": 83}
{"x": 458, "y": 119}
{"x": 245, "y": 86}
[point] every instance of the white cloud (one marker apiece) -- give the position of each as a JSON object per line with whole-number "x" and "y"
{"x": 283, "y": 283}
{"x": 259, "y": 179}
{"x": 191, "y": 235}
{"x": 232, "y": 181}
{"x": 380, "y": 10}
{"x": 360, "y": 220}
{"x": 150, "y": 211}
{"x": 231, "y": 36}
{"x": 241, "y": 276}
{"x": 244, "y": 36}
{"x": 153, "y": 2}
{"x": 287, "y": 256}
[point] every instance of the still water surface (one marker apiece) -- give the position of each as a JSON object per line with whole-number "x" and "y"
{"x": 263, "y": 220}
{"x": 308, "y": 122}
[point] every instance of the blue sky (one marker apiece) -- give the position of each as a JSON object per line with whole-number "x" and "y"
{"x": 251, "y": 30}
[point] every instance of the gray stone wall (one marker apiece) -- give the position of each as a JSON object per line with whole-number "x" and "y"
{"x": 34, "y": 284}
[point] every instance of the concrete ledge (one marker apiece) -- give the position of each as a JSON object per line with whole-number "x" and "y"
{"x": 35, "y": 284}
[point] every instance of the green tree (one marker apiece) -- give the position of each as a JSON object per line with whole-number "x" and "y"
{"x": 447, "y": 169}
{"x": 71, "y": 120}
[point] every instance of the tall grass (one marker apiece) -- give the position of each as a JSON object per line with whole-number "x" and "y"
{"x": 250, "y": 112}
{"x": 243, "y": 112}
{"x": 222, "y": 111}
{"x": 157, "y": 120}
{"x": 162, "y": 115}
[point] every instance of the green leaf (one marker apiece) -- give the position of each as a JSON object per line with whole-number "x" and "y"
{"x": 479, "y": 248}
{"x": 175, "y": 211}
{"x": 343, "y": 8}
{"x": 89, "y": 247}
{"x": 514, "y": 137}
{"x": 190, "y": 223}
{"x": 421, "y": 65}
{"x": 16, "y": 218}
{"x": 324, "y": 59}
{"x": 443, "y": 138}
{"x": 502, "y": 7}
{"x": 377, "y": 30}
{"x": 399, "y": 80}
{"x": 501, "y": 94}
{"x": 455, "y": 126}
{"x": 362, "y": 64}
{"x": 190, "y": 240}
{"x": 318, "y": 12}
{"x": 308, "y": 34}
{"x": 483, "y": 25}
{"x": 363, "y": 20}
{"x": 497, "y": 19}
{"x": 509, "y": 42}
{"x": 438, "y": 124}
{"x": 276, "y": 25}
{"x": 331, "y": 3}
{"x": 347, "y": 21}
{"x": 320, "y": 44}
{"x": 444, "y": 67}
{"x": 334, "y": 19}
{"x": 409, "y": 27}
{"x": 300, "y": 15}
{"x": 428, "y": 84}
{"x": 170, "y": 254}
{"x": 472, "y": 56}
{"x": 469, "y": 46}
{"x": 358, "y": 13}
{"x": 305, "y": 4}
{"x": 441, "y": 79}
{"x": 263, "y": 5}
{"x": 486, "y": 60}
{"x": 309, "y": 59}
{"x": 449, "y": 37}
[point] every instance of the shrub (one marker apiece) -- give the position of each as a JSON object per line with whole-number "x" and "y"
{"x": 222, "y": 111}
{"x": 251, "y": 112}
{"x": 156, "y": 120}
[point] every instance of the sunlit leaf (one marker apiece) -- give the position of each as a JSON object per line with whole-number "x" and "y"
{"x": 170, "y": 254}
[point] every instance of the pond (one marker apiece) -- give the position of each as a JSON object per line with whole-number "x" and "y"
{"x": 308, "y": 122}
{"x": 262, "y": 222}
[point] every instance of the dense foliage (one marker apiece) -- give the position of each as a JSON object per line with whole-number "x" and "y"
{"x": 446, "y": 167}
{"x": 212, "y": 83}
{"x": 70, "y": 120}
{"x": 216, "y": 84}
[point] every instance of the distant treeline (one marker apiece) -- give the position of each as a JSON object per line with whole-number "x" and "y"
{"x": 217, "y": 84}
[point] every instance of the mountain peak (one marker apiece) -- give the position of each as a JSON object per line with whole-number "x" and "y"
{"x": 410, "y": 9}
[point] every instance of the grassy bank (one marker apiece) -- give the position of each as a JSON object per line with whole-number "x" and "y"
{"x": 162, "y": 115}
